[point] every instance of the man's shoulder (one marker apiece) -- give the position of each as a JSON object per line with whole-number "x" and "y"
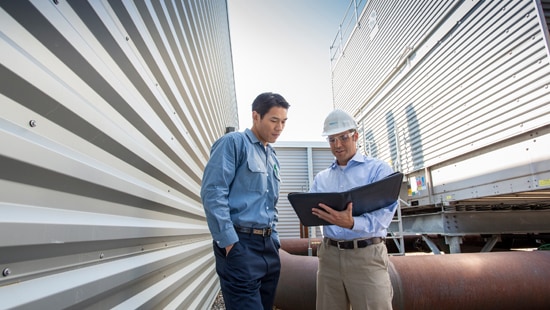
{"x": 374, "y": 168}
{"x": 368, "y": 160}
{"x": 235, "y": 137}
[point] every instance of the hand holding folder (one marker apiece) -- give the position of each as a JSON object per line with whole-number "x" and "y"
{"x": 365, "y": 198}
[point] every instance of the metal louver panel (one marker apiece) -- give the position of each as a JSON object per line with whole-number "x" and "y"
{"x": 108, "y": 111}
{"x": 300, "y": 162}
{"x": 447, "y": 89}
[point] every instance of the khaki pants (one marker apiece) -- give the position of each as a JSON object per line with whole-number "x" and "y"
{"x": 358, "y": 278}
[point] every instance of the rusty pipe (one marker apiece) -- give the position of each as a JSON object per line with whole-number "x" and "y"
{"x": 495, "y": 280}
{"x": 296, "y": 289}
{"x": 298, "y": 246}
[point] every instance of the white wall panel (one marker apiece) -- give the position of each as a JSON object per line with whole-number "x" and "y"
{"x": 440, "y": 87}
{"x": 300, "y": 162}
{"x": 108, "y": 111}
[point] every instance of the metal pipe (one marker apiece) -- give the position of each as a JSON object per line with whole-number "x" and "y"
{"x": 494, "y": 280}
{"x": 296, "y": 289}
{"x": 299, "y": 246}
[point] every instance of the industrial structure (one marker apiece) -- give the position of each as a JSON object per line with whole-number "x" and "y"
{"x": 108, "y": 110}
{"x": 456, "y": 95}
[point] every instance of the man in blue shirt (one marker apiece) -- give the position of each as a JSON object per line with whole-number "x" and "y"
{"x": 353, "y": 258}
{"x": 240, "y": 190}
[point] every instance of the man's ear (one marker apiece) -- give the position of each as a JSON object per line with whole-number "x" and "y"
{"x": 255, "y": 116}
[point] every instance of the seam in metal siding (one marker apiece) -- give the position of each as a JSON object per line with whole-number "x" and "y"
{"x": 108, "y": 112}
{"x": 300, "y": 162}
{"x": 294, "y": 178}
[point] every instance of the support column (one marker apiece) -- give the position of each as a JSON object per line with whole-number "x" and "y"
{"x": 454, "y": 243}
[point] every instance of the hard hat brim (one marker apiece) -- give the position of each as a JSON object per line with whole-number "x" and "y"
{"x": 337, "y": 130}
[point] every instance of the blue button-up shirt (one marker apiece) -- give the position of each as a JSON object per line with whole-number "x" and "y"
{"x": 240, "y": 186}
{"x": 360, "y": 170}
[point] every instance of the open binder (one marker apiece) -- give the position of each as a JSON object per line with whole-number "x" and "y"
{"x": 365, "y": 198}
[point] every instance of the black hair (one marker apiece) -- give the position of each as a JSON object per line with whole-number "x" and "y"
{"x": 265, "y": 101}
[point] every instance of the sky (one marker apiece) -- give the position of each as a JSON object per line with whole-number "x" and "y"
{"x": 283, "y": 46}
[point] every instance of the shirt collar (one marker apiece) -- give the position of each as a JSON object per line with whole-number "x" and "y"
{"x": 251, "y": 136}
{"x": 358, "y": 157}
{"x": 253, "y": 139}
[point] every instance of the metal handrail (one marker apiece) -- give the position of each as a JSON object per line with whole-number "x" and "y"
{"x": 349, "y": 23}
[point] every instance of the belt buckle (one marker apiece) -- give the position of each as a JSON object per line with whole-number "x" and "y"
{"x": 338, "y": 245}
{"x": 265, "y": 232}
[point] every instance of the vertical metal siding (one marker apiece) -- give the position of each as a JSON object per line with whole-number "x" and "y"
{"x": 294, "y": 178}
{"x": 379, "y": 45}
{"x": 108, "y": 111}
{"x": 300, "y": 162}
{"x": 322, "y": 159}
{"x": 453, "y": 80}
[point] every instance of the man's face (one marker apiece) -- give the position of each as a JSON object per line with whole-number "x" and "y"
{"x": 343, "y": 146}
{"x": 269, "y": 128}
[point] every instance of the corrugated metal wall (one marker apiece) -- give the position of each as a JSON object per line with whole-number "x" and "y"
{"x": 107, "y": 113}
{"x": 451, "y": 79}
{"x": 300, "y": 162}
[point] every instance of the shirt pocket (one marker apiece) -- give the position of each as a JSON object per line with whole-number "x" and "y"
{"x": 276, "y": 169}
{"x": 258, "y": 176}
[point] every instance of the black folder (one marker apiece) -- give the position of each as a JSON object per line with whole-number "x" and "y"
{"x": 365, "y": 198}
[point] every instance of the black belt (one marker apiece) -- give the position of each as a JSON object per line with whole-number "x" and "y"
{"x": 350, "y": 245}
{"x": 264, "y": 232}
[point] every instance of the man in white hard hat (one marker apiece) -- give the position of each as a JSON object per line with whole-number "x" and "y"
{"x": 353, "y": 258}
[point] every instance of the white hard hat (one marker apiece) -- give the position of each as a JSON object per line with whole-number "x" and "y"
{"x": 338, "y": 121}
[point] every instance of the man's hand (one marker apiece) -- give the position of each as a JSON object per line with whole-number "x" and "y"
{"x": 228, "y": 248}
{"x": 341, "y": 218}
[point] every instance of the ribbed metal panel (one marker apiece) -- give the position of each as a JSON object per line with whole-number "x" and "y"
{"x": 294, "y": 176}
{"x": 300, "y": 162}
{"x": 108, "y": 111}
{"x": 322, "y": 158}
{"x": 436, "y": 83}
{"x": 387, "y": 30}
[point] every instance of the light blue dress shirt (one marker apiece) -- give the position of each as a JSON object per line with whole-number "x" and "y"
{"x": 360, "y": 170}
{"x": 240, "y": 186}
